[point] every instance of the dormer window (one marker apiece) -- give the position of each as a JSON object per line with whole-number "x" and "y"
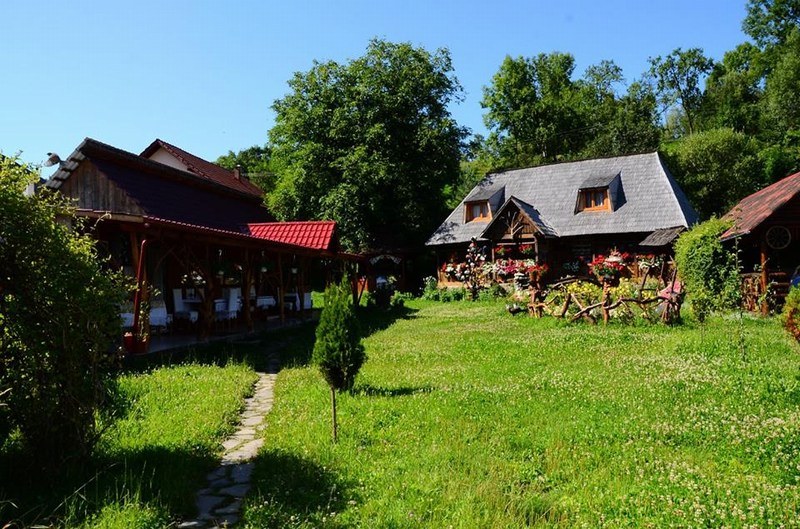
{"x": 594, "y": 199}
{"x": 478, "y": 211}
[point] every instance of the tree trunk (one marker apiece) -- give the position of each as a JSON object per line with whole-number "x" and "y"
{"x": 333, "y": 411}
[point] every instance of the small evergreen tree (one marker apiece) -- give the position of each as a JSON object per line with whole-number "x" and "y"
{"x": 338, "y": 351}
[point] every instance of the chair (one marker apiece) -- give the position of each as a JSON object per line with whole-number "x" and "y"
{"x": 265, "y": 302}
{"x": 234, "y": 304}
{"x": 159, "y": 318}
{"x": 181, "y": 311}
{"x": 307, "y": 303}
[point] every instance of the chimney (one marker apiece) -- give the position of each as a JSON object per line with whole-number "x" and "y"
{"x": 237, "y": 172}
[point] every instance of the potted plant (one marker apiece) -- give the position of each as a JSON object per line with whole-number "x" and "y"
{"x": 608, "y": 268}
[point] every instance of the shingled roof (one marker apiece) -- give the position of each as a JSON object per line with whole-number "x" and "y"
{"x": 754, "y": 209}
{"x": 650, "y": 199}
{"x": 203, "y": 168}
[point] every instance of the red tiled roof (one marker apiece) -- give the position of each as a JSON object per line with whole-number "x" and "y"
{"x": 316, "y": 235}
{"x": 205, "y": 169}
{"x": 758, "y": 207}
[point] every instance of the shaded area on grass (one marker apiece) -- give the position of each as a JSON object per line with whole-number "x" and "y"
{"x": 288, "y": 489}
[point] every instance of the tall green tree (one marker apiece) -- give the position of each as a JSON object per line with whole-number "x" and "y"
{"x": 733, "y": 91}
{"x": 770, "y": 22}
{"x": 254, "y": 162}
{"x": 678, "y": 78}
{"x": 534, "y": 109}
{"x": 716, "y": 168}
{"x": 783, "y": 87}
{"x": 370, "y": 144}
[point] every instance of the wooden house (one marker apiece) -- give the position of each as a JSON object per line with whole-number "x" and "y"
{"x": 766, "y": 228}
{"x": 195, "y": 234}
{"x": 564, "y": 214}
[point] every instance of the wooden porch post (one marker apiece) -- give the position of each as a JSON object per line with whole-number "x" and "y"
{"x": 281, "y": 288}
{"x": 301, "y": 278}
{"x": 764, "y": 278}
{"x": 247, "y": 276}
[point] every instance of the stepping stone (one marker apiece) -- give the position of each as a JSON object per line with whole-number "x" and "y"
{"x": 205, "y": 503}
{"x": 220, "y": 472}
{"x": 221, "y": 483}
{"x": 191, "y": 524}
{"x": 233, "y": 508}
{"x": 242, "y": 473}
{"x": 237, "y": 491}
{"x": 252, "y": 421}
{"x": 231, "y": 443}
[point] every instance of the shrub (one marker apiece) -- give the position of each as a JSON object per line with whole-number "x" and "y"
{"x": 338, "y": 351}
{"x": 708, "y": 269}
{"x": 59, "y": 316}
{"x": 791, "y": 312}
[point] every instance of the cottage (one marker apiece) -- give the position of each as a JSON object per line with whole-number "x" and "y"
{"x": 563, "y": 214}
{"x": 766, "y": 226}
{"x": 196, "y": 236}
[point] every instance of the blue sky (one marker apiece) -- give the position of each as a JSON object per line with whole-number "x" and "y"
{"x": 203, "y": 74}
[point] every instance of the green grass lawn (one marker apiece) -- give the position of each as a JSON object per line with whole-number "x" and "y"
{"x": 163, "y": 437}
{"x": 465, "y": 416}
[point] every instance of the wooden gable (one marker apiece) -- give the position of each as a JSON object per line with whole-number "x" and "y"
{"x": 511, "y": 224}
{"x": 92, "y": 190}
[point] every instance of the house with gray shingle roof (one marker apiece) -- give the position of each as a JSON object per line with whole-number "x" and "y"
{"x": 572, "y": 209}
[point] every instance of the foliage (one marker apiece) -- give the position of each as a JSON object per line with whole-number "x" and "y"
{"x": 734, "y": 91}
{"x": 716, "y": 168}
{"x": 678, "y": 77}
{"x": 367, "y": 141}
{"x": 254, "y": 162}
{"x": 791, "y": 312}
{"x": 707, "y": 268}
{"x": 769, "y": 22}
{"x": 338, "y": 351}
{"x": 538, "y": 113}
{"x": 783, "y": 85}
{"x": 466, "y": 416}
{"x": 60, "y": 316}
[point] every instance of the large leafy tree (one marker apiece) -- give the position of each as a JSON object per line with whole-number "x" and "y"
{"x": 733, "y": 91}
{"x": 770, "y": 22}
{"x": 254, "y": 162}
{"x": 678, "y": 78}
{"x": 716, "y": 168}
{"x": 370, "y": 144}
{"x": 534, "y": 109}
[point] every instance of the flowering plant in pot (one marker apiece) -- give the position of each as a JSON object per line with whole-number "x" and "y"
{"x": 527, "y": 249}
{"x": 500, "y": 251}
{"x": 607, "y": 268}
{"x": 535, "y": 270}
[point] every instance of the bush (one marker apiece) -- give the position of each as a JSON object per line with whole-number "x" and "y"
{"x": 338, "y": 351}
{"x": 791, "y": 312}
{"x": 708, "y": 270}
{"x": 59, "y": 316}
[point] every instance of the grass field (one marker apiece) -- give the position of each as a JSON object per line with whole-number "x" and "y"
{"x": 465, "y": 416}
{"x": 163, "y": 437}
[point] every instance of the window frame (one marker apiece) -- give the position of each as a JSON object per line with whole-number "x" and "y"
{"x": 588, "y": 200}
{"x": 485, "y": 214}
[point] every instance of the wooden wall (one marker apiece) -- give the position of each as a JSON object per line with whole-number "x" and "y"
{"x": 94, "y": 191}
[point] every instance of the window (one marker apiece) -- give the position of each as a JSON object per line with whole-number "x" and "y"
{"x": 594, "y": 199}
{"x": 477, "y": 211}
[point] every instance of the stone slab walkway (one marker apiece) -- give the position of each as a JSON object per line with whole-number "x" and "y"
{"x": 219, "y": 503}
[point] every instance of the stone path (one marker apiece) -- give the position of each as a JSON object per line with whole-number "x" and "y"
{"x": 219, "y": 504}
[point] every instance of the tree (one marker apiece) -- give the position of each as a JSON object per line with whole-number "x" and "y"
{"x": 716, "y": 168}
{"x": 534, "y": 109}
{"x": 338, "y": 351}
{"x": 783, "y": 86}
{"x": 369, "y": 141}
{"x": 678, "y": 77}
{"x": 59, "y": 318}
{"x": 770, "y": 22}
{"x": 733, "y": 91}
{"x": 254, "y": 162}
